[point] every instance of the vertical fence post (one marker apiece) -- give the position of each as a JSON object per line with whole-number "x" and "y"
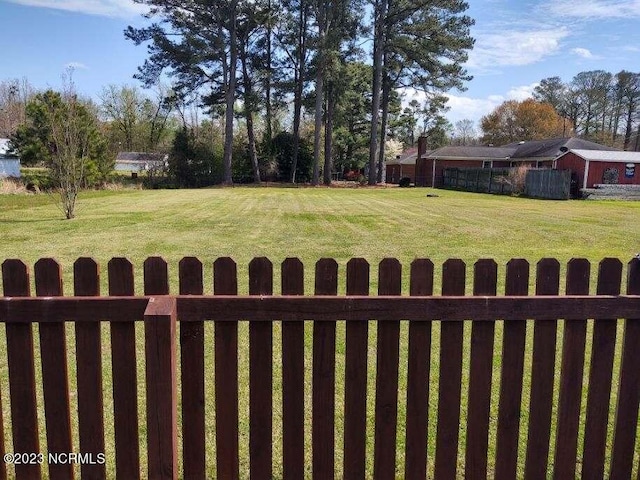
{"x": 125, "y": 383}
{"x": 624, "y": 437}
{"x": 292, "y": 377}
{"x": 355, "y": 388}
{"x": 450, "y": 383}
{"x": 482, "y": 338}
{"x": 513, "y": 347}
{"x": 419, "y": 364}
{"x": 324, "y": 377}
{"x": 225, "y": 282}
{"x": 86, "y": 282}
{"x": 55, "y": 376}
{"x": 600, "y": 375}
{"x": 542, "y": 375}
{"x": 260, "y": 376}
{"x": 22, "y": 384}
{"x": 384, "y": 455}
{"x": 162, "y": 413}
{"x": 192, "y": 375}
{"x": 571, "y": 373}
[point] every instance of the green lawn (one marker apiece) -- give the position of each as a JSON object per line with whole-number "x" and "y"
{"x": 311, "y": 223}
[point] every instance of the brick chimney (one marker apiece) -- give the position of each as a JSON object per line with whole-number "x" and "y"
{"x": 422, "y": 146}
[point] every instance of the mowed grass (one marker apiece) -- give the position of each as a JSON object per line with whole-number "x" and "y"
{"x": 312, "y": 223}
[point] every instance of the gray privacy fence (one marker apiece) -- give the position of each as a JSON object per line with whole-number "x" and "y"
{"x": 537, "y": 182}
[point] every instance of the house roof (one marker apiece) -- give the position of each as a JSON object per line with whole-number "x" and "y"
{"x": 606, "y": 156}
{"x": 473, "y": 153}
{"x": 140, "y": 157}
{"x": 519, "y": 151}
{"x": 408, "y": 157}
{"x": 4, "y": 148}
{"x": 554, "y": 147}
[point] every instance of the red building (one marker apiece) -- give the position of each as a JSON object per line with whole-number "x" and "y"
{"x": 594, "y": 167}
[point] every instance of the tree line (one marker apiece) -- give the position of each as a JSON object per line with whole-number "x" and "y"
{"x": 342, "y": 61}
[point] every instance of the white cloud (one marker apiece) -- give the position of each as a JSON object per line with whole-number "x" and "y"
{"x": 76, "y": 66}
{"x": 515, "y": 47}
{"x": 522, "y": 92}
{"x": 593, "y": 9}
{"x": 462, "y": 107}
{"x": 582, "y": 52}
{"x": 107, "y": 8}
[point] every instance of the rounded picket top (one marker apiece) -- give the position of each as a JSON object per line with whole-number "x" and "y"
{"x": 453, "y": 277}
{"x": 517, "y": 277}
{"x": 547, "y": 276}
{"x": 190, "y": 272}
{"x": 633, "y": 276}
{"x": 86, "y": 277}
{"x": 260, "y": 276}
{"x": 292, "y": 278}
{"x": 15, "y": 278}
{"x": 326, "y": 277}
{"x": 48, "y": 275}
{"x": 120, "y": 271}
{"x": 609, "y": 276}
{"x": 156, "y": 276}
{"x": 578, "y": 274}
{"x": 358, "y": 271}
{"x": 421, "y": 278}
{"x": 485, "y": 277}
{"x": 225, "y": 276}
{"x": 389, "y": 277}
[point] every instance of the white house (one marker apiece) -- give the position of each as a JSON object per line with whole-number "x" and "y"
{"x": 9, "y": 164}
{"x": 140, "y": 162}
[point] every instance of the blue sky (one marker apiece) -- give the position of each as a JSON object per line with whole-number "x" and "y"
{"x": 518, "y": 43}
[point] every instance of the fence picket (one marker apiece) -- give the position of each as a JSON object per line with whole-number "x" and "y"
{"x": 293, "y": 377}
{"x": 324, "y": 374}
{"x": 513, "y": 347}
{"x": 192, "y": 371}
{"x": 225, "y": 282}
{"x": 125, "y": 384}
{"x": 600, "y": 375}
{"x": 388, "y": 352}
{"x": 22, "y": 384}
{"x": 55, "y": 377}
{"x": 260, "y": 375}
{"x": 451, "y": 337}
{"x": 86, "y": 278}
{"x": 571, "y": 374}
{"x": 482, "y": 339}
{"x": 542, "y": 375}
{"x": 421, "y": 284}
{"x": 160, "y": 363}
{"x": 161, "y": 385}
{"x": 355, "y": 389}
{"x": 624, "y": 438}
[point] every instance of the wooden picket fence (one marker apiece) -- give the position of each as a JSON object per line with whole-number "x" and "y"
{"x": 190, "y": 309}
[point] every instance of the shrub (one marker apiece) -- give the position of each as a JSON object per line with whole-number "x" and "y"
{"x": 10, "y": 186}
{"x": 404, "y": 182}
{"x": 516, "y": 178}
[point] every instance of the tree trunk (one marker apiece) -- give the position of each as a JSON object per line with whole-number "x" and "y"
{"x": 230, "y": 96}
{"x": 248, "y": 112}
{"x": 386, "y": 88}
{"x": 378, "y": 49}
{"x": 268, "y": 112}
{"x": 318, "y": 126}
{"x": 299, "y": 84}
{"x": 328, "y": 135}
{"x": 629, "y": 128}
{"x": 321, "y": 18}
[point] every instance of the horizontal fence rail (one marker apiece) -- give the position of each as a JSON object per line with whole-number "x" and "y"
{"x": 477, "y": 428}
